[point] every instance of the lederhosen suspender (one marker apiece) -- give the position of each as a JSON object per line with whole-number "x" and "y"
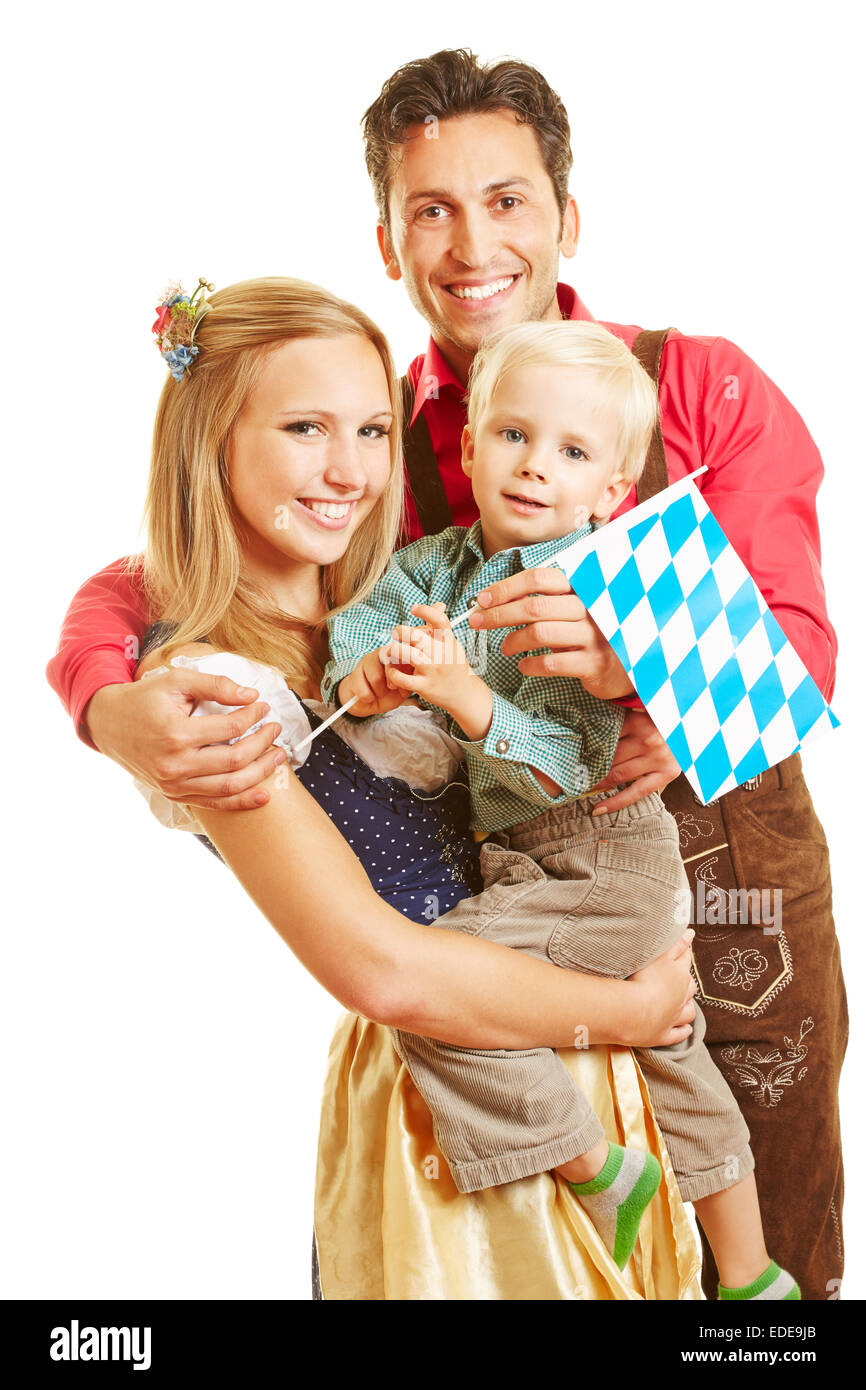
{"x": 422, "y": 470}
{"x": 647, "y": 348}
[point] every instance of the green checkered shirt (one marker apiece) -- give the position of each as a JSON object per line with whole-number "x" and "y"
{"x": 550, "y": 722}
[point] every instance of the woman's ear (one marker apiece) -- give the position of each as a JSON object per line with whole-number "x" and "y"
{"x": 467, "y": 451}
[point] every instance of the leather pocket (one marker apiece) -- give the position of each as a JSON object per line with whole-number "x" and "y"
{"x": 777, "y": 842}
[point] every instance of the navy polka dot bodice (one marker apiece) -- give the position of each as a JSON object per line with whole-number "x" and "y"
{"x": 415, "y": 847}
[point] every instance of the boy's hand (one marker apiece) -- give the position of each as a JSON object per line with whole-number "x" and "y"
{"x": 431, "y": 660}
{"x": 369, "y": 681}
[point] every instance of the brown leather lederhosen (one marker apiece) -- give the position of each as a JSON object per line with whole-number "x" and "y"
{"x": 766, "y": 960}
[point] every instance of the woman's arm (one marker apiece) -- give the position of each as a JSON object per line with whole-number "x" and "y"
{"x": 464, "y": 990}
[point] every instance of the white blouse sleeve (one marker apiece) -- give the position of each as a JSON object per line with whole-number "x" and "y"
{"x": 285, "y": 708}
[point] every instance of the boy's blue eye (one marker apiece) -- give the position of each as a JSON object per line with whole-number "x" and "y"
{"x": 574, "y": 453}
{"x": 514, "y": 436}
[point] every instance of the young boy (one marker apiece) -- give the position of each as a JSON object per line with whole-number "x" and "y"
{"x": 559, "y": 421}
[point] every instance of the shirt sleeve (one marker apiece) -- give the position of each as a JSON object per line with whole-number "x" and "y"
{"x": 369, "y": 624}
{"x": 99, "y": 640}
{"x": 576, "y": 756}
{"x": 764, "y": 474}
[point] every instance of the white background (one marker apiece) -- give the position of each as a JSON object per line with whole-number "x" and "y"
{"x": 163, "y": 1052}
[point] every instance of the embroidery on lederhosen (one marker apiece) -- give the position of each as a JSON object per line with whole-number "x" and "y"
{"x": 738, "y": 966}
{"x": 767, "y": 1074}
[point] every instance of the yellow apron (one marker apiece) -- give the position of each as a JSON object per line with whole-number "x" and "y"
{"x": 390, "y": 1224}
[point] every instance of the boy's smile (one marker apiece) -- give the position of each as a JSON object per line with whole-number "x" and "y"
{"x": 545, "y": 458}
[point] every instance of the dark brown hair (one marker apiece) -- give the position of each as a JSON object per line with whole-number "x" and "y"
{"x": 453, "y": 83}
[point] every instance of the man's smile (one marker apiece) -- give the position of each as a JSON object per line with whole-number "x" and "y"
{"x": 480, "y": 291}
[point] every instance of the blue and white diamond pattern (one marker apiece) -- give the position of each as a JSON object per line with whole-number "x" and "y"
{"x": 717, "y": 675}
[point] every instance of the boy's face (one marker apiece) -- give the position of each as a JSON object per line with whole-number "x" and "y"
{"x": 544, "y": 459}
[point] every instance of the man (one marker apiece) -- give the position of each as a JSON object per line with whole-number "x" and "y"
{"x": 470, "y": 170}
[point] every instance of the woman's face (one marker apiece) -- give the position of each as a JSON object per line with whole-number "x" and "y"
{"x": 310, "y": 453}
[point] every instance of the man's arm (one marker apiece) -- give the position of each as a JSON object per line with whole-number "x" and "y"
{"x": 146, "y": 727}
{"x": 99, "y": 641}
{"x": 764, "y": 474}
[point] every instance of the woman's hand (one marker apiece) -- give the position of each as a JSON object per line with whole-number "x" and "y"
{"x": 642, "y": 758}
{"x": 664, "y": 1008}
{"x": 554, "y": 617}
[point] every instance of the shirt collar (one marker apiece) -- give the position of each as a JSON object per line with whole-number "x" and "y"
{"x": 544, "y": 551}
{"x": 473, "y": 540}
{"x": 571, "y": 304}
{"x": 529, "y": 555}
{"x": 436, "y": 372}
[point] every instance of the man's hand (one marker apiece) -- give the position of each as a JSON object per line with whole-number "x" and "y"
{"x": 554, "y": 617}
{"x": 146, "y": 727}
{"x": 642, "y": 758}
{"x": 369, "y": 682}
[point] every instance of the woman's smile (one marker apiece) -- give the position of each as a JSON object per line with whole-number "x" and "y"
{"x": 326, "y": 512}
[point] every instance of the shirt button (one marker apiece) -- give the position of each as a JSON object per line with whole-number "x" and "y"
{"x": 502, "y": 745}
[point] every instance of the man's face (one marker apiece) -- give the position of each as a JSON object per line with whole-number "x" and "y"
{"x": 544, "y": 457}
{"x": 475, "y": 229}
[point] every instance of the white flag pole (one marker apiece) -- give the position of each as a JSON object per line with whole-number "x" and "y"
{"x": 627, "y": 519}
{"x": 324, "y": 724}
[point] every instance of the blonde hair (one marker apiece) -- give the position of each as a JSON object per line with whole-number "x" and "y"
{"x": 193, "y": 573}
{"x": 622, "y": 381}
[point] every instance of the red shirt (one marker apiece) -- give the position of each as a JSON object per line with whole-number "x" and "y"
{"x": 717, "y": 408}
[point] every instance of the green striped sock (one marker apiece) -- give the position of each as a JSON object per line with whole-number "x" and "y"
{"x": 775, "y": 1284}
{"x": 616, "y": 1199}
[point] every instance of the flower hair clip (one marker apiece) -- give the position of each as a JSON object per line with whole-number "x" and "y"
{"x": 177, "y": 318}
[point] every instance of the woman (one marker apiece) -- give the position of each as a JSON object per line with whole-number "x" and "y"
{"x": 274, "y": 499}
